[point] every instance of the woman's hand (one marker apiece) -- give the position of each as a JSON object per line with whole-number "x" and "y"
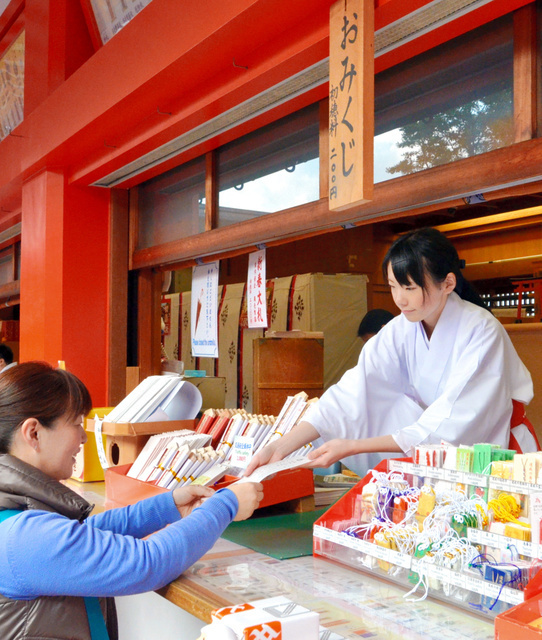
{"x": 189, "y": 497}
{"x": 301, "y": 434}
{"x": 265, "y": 456}
{"x": 249, "y": 495}
{"x": 333, "y": 451}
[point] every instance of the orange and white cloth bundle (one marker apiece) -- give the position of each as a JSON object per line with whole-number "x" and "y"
{"x": 272, "y": 618}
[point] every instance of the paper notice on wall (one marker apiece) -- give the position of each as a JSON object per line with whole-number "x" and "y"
{"x": 100, "y": 443}
{"x": 204, "y": 311}
{"x": 256, "y": 294}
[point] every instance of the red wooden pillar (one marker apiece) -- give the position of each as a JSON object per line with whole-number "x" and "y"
{"x": 64, "y": 277}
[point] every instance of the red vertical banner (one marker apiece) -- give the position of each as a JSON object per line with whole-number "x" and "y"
{"x": 351, "y": 103}
{"x": 256, "y": 291}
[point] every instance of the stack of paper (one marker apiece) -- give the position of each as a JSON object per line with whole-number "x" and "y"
{"x": 177, "y": 458}
{"x": 272, "y": 468}
{"x": 154, "y": 396}
{"x": 160, "y": 450}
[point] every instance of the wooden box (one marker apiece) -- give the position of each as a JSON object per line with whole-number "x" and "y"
{"x": 124, "y": 441}
{"x": 286, "y": 363}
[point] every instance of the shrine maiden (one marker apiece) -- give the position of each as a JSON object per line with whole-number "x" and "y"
{"x": 444, "y": 369}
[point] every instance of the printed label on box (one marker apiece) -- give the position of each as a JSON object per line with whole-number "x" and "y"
{"x": 243, "y": 447}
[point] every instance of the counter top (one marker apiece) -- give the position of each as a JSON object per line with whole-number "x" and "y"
{"x": 352, "y": 604}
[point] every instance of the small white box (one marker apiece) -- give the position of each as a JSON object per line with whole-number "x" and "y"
{"x": 279, "y": 618}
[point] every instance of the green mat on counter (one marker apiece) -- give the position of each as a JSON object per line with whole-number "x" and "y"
{"x": 279, "y": 536}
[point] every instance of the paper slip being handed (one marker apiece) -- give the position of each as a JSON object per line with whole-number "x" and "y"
{"x": 267, "y": 470}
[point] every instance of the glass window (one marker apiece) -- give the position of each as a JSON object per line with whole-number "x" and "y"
{"x": 171, "y": 206}
{"x": 271, "y": 169}
{"x": 449, "y": 103}
{"x": 6, "y": 266}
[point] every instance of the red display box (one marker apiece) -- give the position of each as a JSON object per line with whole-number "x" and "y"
{"x": 121, "y": 490}
{"x": 285, "y": 485}
{"x": 514, "y": 623}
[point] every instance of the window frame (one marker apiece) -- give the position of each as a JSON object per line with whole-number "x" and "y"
{"x": 401, "y": 196}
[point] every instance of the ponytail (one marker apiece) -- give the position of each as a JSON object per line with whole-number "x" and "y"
{"x": 466, "y": 291}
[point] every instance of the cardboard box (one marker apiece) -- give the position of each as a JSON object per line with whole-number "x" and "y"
{"x": 277, "y": 617}
{"x": 124, "y": 441}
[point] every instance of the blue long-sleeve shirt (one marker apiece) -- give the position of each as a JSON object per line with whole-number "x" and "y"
{"x": 48, "y": 554}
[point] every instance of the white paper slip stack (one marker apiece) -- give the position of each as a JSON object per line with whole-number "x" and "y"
{"x": 158, "y": 398}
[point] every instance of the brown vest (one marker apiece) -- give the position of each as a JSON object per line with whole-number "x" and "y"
{"x": 53, "y": 618}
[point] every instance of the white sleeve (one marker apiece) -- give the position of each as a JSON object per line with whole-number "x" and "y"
{"x": 475, "y": 404}
{"x": 370, "y": 399}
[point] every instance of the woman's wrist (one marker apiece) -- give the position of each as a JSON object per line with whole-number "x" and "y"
{"x": 280, "y": 447}
{"x": 354, "y": 447}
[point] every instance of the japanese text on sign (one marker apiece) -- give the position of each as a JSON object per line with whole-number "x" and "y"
{"x": 204, "y": 310}
{"x": 257, "y": 306}
{"x": 351, "y": 108}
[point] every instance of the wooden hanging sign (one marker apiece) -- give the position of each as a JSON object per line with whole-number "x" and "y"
{"x": 351, "y": 103}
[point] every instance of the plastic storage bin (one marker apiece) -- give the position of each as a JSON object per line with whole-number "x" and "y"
{"x": 467, "y": 590}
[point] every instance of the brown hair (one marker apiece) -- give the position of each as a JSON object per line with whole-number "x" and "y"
{"x": 37, "y": 390}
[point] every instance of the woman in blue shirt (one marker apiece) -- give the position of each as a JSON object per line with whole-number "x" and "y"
{"x": 56, "y": 560}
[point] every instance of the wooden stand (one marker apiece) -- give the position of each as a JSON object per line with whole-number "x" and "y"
{"x": 286, "y": 363}
{"x": 125, "y": 440}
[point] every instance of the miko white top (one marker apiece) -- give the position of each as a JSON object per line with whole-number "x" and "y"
{"x": 456, "y": 387}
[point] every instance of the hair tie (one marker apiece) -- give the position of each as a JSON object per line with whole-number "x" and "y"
{"x": 460, "y": 283}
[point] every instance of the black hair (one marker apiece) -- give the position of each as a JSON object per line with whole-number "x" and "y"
{"x": 37, "y": 390}
{"x": 427, "y": 251}
{"x": 6, "y": 353}
{"x": 373, "y": 321}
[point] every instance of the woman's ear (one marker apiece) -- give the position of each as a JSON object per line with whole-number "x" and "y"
{"x": 450, "y": 283}
{"x": 30, "y": 432}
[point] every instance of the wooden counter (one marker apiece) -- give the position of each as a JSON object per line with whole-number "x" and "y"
{"x": 352, "y": 604}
